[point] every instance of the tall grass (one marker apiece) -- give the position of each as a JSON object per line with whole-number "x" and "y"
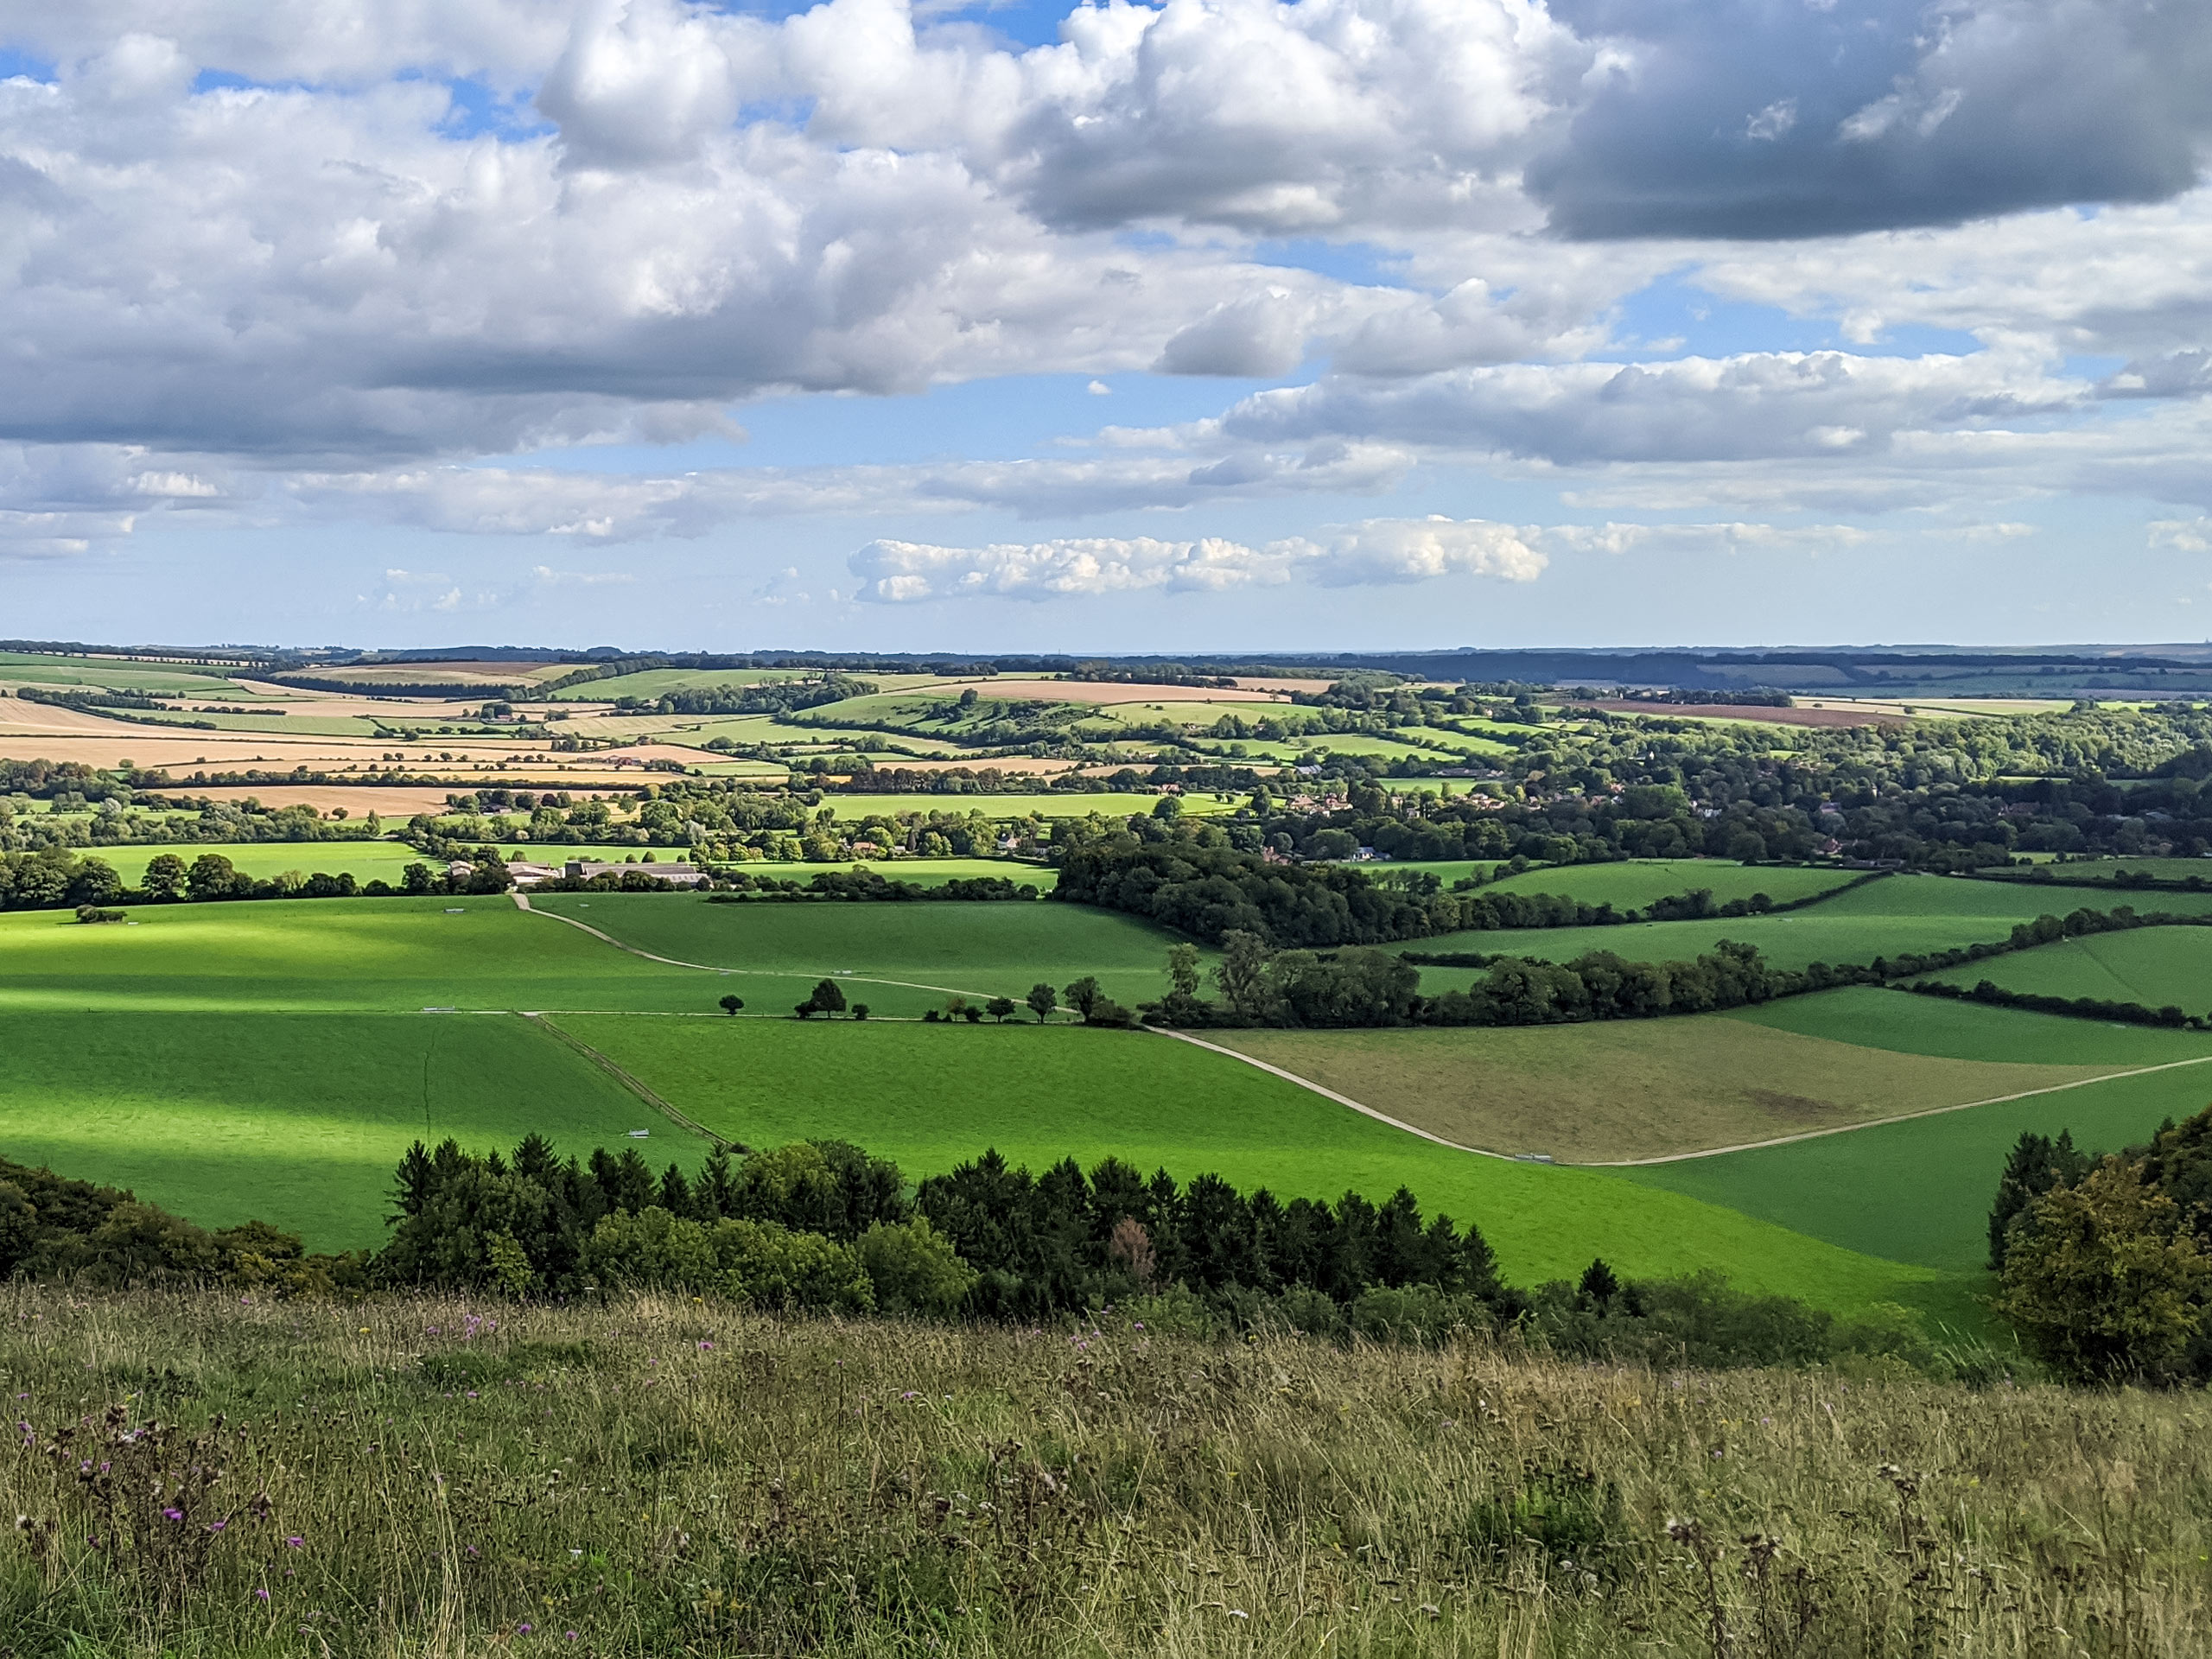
{"x": 664, "y": 1476}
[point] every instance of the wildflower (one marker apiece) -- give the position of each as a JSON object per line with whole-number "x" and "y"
{"x": 172, "y": 1513}
{"x": 524, "y": 1627}
{"x": 261, "y": 1595}
{"x": 217, "y": 1526}
{"x": 706, "y": 1347}
{"x": 295, "y": 1542}
{"x": 571, "y": 1635}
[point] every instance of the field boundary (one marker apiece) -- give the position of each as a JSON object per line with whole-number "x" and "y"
{"x": 634, "y": 1084}
{"x": 522, "y": 902}
{"x": 1901, "y": 1118}
{"x": 1341, "y": 1100}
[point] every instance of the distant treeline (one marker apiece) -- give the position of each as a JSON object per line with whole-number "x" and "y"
{"x": 866, "y": 884}
{"x": 773, "y": 697}
{"x": 2080, "y": 1008}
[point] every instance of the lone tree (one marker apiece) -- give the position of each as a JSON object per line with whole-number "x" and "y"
{"x": 732, "y": 1004}
{"x": 827, "y": 997}
{"x": 1042, "y": 1000}
{"x": 1084, "y": 995}
{"x": 998, "y": 1007}
{"x": 860, "y": 1010}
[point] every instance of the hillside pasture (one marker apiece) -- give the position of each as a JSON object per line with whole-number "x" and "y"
{"x": 296, "y": 1119}
{"x": 1900, "y": 914}
{"x": 2155, "y": 966}
{"x": 1919, "y": 1191}
{"x": 1629, "y": 1089}
{"x": 917, "y": 954}
{"x": 1634, "y": 883}
{"x": 932, "y": 1097}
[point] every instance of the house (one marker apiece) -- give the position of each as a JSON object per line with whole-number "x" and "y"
{"x": 529, "y": 875}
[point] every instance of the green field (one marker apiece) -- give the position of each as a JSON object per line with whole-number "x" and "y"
{"x": 2155, "y": 966}
{"x": 296, "y": 1119}
{"x": 391, "y": 955}
{"x": 932, "y": 1097}
{"x": 1919, "y": 1191}
{"x": 2104, "y": 869}
{"x": 1627, "y": 1088}
{"x": 656, "y": 682}
{"x": 977, "y": 949}
{"x": 28, "y": 667}
{"x": 276, "y": 722}
{"x": 1636, "y": 882}
{"x": 1898, "y": 914}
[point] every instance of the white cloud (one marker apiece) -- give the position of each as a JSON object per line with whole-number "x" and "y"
{"x": 1379, "y": 551}
{"x": 2183, "y": 535}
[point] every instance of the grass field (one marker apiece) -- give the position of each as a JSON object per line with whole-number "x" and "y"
{"x": 330, "y": 954}
{"x": 975, "y": 949}
{"x": 1899, "y": 914}
{"x": 296, "y": 1119}
{"x": 28, "y": 668}
{"x": 2104, "y": 869}
{"x": 932, "y": 1097}
{"x": 1919, "y": 1191}
{"x": 2155, "y": 966}
{"x": 1635, "y": 883}
{"x": 1635, "y": 1088}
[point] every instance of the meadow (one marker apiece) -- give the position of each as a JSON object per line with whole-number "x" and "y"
{"x": 1047, "y": 804}
{"x": 1631, "y": 1088}
{"x": 1919, "y": 1191}
{"x": 296, "y": 1119}
{"x": 655, "y": 1476}
{"x": 367, "y": 861}
{"x": 2155, "y": 966}
{"x": 931, "y": 1097}
{"x": 1898, "y": 914}
{"x": 1634, "y": 883}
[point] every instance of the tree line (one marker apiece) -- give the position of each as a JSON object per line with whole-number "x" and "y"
{"x": 2106, "y": 1262}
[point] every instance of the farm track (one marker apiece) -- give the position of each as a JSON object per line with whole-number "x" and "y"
{"x": 522, "y": 902}
{"x": 628, "y": 1080}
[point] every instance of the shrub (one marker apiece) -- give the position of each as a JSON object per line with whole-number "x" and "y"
{"x": 914, "y": 1268}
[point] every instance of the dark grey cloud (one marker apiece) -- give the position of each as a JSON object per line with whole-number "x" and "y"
{"x": 1777, "y": 118}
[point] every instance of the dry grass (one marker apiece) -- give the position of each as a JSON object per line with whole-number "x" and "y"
{"x": 661, "y": 1478}
{"x": 1629, "y": 1089}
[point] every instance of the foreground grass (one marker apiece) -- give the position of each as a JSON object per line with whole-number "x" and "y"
{"x": 662, "y": 1477}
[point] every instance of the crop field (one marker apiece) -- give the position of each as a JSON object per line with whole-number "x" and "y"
{"x": 296, "y": 1118}
{"x": 2155, "y": 966}
{"x": 1901, "y": 913}
{"x": 1636, "y": 882}
{"x": 657, "y": 681}
{"x": 932, "y": 1097}
{"x": 1629, "y": 1089}
{"x": 1965, "y": 1031}
{"x": 28, "y": 668}
{"x": 1919, "y": 1191}
{"x": 918, "y": 954}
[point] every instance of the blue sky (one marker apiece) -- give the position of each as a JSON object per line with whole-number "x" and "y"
{"x": 1214, "y": 325}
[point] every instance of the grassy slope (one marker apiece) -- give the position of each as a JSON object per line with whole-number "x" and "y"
{"x": 296, "y": 1119}
{"x": 1902, "y": 913}
{"x": 931, "y": 1099}
{"x": 1056, "y": 803}
{"x": 1632, "y": 1088}
{"x": 332, "y": 953}
{"x": 2152, "y": 965}
{"x": 1637, "y": 882}
{"x": 977, "y": 949}
{"x": 1919, "y": 1191}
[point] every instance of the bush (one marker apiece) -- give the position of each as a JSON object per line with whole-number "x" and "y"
{"x": 914, "y": 1268}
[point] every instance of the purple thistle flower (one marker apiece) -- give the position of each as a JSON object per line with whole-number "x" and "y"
{"x": 172, "y": 1515}
{"x": 524, "y": 1629}
{"x": 261, "y": 1595}
{"x": 295, "y": 1542}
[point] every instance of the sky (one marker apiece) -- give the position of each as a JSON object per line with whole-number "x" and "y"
{"x": 1210, "y": 325}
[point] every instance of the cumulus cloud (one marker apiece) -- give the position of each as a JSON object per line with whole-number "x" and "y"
{"x": 1375, "y": 552}
{"x": 1747, "y": 118}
